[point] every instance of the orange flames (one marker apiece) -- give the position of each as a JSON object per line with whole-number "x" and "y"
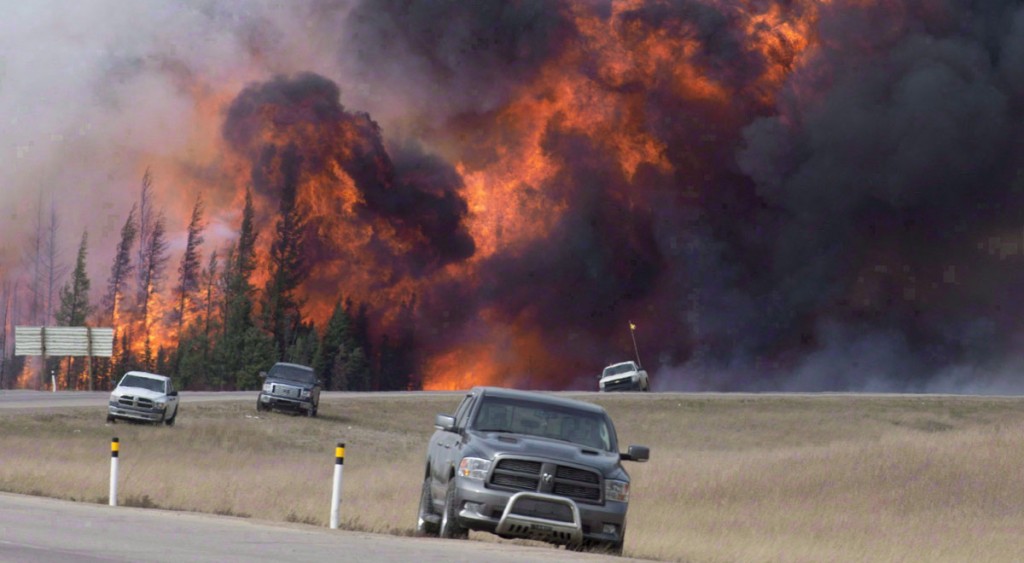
{"x": 598, "y": 88}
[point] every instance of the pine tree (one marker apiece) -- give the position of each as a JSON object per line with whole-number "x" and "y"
{"x": 303, "y": 349}
{"x": 242, "y": 348}
{"x": 208, "y": 280}
{"x": 357, "y": 370}
{"x": 189, "y": 270}
{"x": 145, "y": 227}
{"x": 281, "y": 306}
{"x": 74, "y": 297}
{"x": 152, "y": 275}
{"x": 337, "y": 334}
{"x": 121, "y": 270}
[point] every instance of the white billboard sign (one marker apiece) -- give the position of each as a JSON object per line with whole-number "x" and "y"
{"x": 63, "y": 341}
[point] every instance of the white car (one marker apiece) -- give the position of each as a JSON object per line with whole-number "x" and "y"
{"x": 145, "y": 397}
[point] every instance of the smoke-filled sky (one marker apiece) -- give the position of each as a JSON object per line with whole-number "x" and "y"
{"x": 782, "y": 195}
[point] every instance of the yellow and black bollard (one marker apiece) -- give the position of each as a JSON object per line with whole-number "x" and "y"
{"x": 115, "y": 447}
{"x": 339, "y": 464}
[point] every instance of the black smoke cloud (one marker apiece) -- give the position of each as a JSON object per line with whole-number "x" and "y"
{"x": 460, "y": 57}
{"x": 862, "y": 232}
{"x": 299, "y": 121}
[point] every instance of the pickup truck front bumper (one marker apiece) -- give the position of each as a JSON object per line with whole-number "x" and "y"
{"x": 289, "y": 403}
{"x": 538, "y": 516}
{"x": 622, "y": 384}
{"x": 153, "y": 414}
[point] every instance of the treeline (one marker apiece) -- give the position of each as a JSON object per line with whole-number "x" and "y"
{"x": 208, "y": 326}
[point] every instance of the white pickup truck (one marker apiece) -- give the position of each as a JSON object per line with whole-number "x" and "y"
{"x": 145, "y": 397}
{"x": 624, "y": 376}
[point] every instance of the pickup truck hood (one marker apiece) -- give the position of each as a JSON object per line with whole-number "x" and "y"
{"x": 488, "y": 444}
{"x": 137, "y": 392}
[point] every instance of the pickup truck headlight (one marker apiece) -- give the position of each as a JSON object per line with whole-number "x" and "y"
{"x": 160, "y": 404}
{"x": 304, "y": 394}
{"x": 616, "y": 490}
{"x": 474, "y": 468}
{"x": 266, "y": 388}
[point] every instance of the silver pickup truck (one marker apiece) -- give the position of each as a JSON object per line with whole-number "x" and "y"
{"x": 531, "y": 465}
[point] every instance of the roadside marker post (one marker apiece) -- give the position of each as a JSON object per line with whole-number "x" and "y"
{"x": 339, "y": 464}
{"x": 115, "y": 447}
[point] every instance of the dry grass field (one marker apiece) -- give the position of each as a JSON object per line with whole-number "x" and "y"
{"x": 732, "y": 478}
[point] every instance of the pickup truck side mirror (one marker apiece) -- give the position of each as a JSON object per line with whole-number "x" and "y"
{"x": 263, "y": 375}
{"x": 173, "y": 393}
{"x": 636, "y": 453}
{"x": 444, "y": 422}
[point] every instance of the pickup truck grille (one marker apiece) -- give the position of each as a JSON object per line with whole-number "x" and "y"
{"x": 284, "y": 390}
{"x": 133, "y": 401}
{"x": 625, "y": 383}
{"x": 527, "y": 475}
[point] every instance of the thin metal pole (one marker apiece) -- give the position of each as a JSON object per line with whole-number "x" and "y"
{"x": 632, "y": 332}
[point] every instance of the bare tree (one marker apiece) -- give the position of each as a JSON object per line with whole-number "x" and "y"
{"x": 54, "y": 269}
{"x": 5, "y": 308}
{"x": 36, "y": 285}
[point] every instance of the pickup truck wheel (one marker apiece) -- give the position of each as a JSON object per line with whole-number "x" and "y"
{"x": 424, "y": 526}
{"x": 450, "y": 527}
{"x": 170, "y": 421}
{"x": 111, "y": 419}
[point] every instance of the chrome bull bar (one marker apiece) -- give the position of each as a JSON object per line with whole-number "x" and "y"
{"x": 543, "y": 517}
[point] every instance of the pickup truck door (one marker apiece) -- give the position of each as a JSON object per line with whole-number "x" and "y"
{"x": 446, "y": 451}
{"x": 172, "y": 398}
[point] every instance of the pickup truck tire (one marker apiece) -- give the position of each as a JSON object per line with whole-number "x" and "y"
{"x": 424, "y": 527}
{"x": 170, "y": 421}
{"x": 450, "y": 527}
{"x": 259, "y": 405}
{"x": 111, "y": 419}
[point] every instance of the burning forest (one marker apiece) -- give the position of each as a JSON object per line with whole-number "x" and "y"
{"x": 781, "y": 195}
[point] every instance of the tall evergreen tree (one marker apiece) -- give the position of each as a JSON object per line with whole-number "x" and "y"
{"x": 303, "y": 349}
{"x": 151, "y": 277}
{"x": 121, "y": 270}
{"x": 357, "y": 370}
{"x": 145, "y": 228}
{"x": 336, "y": 339}
{"x": 74, "y": 298}
{"x": 242, "y": 350}
{"x": 189, "y": 269}
{"x": 281, "y": 306}
{"x": 208, "y": 281}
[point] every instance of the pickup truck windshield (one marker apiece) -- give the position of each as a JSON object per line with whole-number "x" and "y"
{"x": 544, "y": 420}
{"x": 142, "y": 383}
{"x": 292, "y": 373}
{"x": 617, "y": 369}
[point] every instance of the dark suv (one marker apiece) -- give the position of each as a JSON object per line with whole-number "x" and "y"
{"x": 521, "y": 464}
{"x": 290, "y": 387}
